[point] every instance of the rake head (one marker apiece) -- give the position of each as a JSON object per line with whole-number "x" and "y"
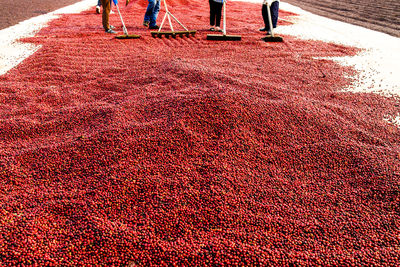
{"x": 223, "y": 37}
{"x": 270, "y": 38}
{"x": 127, "y": 36}
{"x": 173, "y": 34}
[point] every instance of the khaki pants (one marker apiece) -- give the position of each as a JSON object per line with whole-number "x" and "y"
{"x": 106, "y": 13}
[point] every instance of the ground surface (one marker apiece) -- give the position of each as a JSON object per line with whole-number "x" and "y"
{"x": 184, "y": 151}
{"x": 19, "y": 10}
{"x": 381, "y": 16}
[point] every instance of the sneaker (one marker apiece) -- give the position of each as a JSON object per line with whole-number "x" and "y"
{"x": 263, "y": 29}
{"x": 218, "y": 29}
{"x": 146, "y": 23}
{"x": 212, "y": 29}
{"x": 111, "y": 12}
{"x": 110, "y": 31}
{"x": 98, "y": 9}
{"x": 112, "y": 27}
{"x": 155, "y": 27}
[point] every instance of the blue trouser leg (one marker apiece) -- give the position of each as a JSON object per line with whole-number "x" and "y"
{"x": 149, "y": 10}
{"x": 99, "y": 3}
{"x": 155, "y": 13}
{"x": 274, "y": 14}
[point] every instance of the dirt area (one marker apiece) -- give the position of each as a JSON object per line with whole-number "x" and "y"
{"x": 383, "y": 16}
{"x": 18, "y": 10}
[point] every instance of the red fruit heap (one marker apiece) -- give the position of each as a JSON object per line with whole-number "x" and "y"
{"x": 188, "y": 152}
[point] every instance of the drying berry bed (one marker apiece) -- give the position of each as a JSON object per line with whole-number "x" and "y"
{"x": 189, "y": 152}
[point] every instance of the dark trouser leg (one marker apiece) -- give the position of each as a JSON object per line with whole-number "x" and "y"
{"x": 106, "y": 13}
{"x": 212, "y": 12}
{"x": 264, "y": 12}
{"x": 274, "y": 13}
{"x": 218, "y": 9}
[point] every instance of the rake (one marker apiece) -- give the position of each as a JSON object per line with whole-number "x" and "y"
{"x": 172, "y": 33}
{"x": 224, "y": 37}
{"x": 272, "y": 37}
{"x": 126, "y": 35}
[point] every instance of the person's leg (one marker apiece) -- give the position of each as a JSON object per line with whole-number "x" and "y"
{"x": 106, "y": 14}
{"x": 149, "y": 11}
{"x": 212, "y": 13}
{"x": 264, "y": 11}
{"x": 98, "y": 7}
{"x": 274, "y": 13}
{"x": 218, "y": 10}
{"x": 154, "y": 15}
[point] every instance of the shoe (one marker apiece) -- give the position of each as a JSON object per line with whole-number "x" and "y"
{"x": 98, "y": 9}
{"x": 112, "y": 27}
{"x": 146, "y": 23}
{"x": 155, "y": 27}
{"x": 111, "y": 12}
{"x": 263, "y": 29}
{"x": 110, "y": 31}
{"x": 218, "y": 29}
{"x": 212, "y": 29}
